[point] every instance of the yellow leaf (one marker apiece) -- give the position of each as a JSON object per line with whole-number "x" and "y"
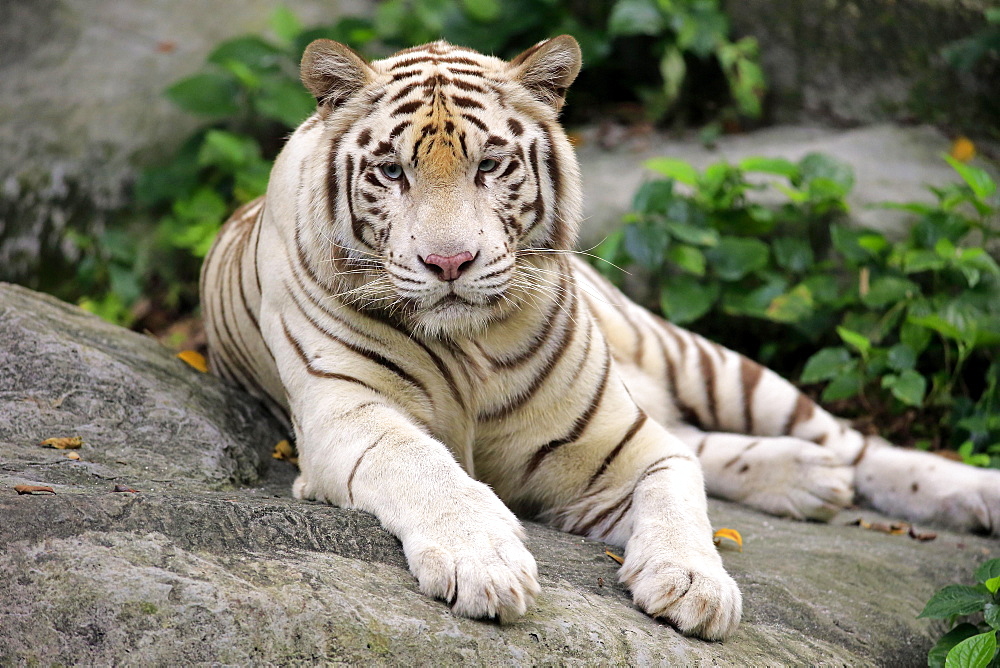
{"x": 962, "y": 149}
{"x": 730, "y": 535}
{"x": 63, "y": 443}
{"x": 195, "y": 359}
{"x": 284, "y": 451}
{"x": 33, "y": 489}
{"x": 73, "y": 455}
{"x": 615, "y": 557}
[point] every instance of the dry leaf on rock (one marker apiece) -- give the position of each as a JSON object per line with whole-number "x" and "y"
{"x": 284, "y": 451}
{"x": 194, "y": 359}
{"x": 75, "y": 456}
{"x": 725, "y": 536}
{"x": 33, "y": 489}
{"x": 615, "y": 557}
{"x": 124, "y": 488}
{"x": 63, "y": 443}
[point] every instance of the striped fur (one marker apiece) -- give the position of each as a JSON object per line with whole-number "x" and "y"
{"x": 405, "y": 297}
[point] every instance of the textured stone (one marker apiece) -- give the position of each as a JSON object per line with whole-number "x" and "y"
{"x": 213, "y": 562}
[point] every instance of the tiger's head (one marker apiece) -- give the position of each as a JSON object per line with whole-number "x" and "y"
{"x": 449, "y": 184}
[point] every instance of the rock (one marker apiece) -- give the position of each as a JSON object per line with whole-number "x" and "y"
{"x": 212, "y": 561}
{"x": 846, "y": 62}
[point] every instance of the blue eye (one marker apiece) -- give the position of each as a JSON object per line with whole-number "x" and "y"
{"x": 392, "y": 170}
{"x": 488, "y": 165}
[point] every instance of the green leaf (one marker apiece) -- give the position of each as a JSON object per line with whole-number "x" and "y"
{"x": 909, "y": 387}
{"x": 777, "y": 166}
{"x": 955, "y": 600}
{"x": 285, "y": 24}
{"x": 685, "y": 298}
{"x": 988, "y": 570}
{"x": 654, "y": 197}
{"x": 284, "y": 100}
{"x": 635, "y": 17}
{"x": 735, "y": 257}
{"x": 993, "y": 584}
{"x": 938, "y": 324}
{"x": 887, "y": 290}
{"x": 915, "y": 336}
{"x": 227, "y": 150}
{"x": 974, "y": 652}
{"x": 484, "y": 11}
{"x": 792, "y": 253}
{"x": 688, "y": 258}
{"x": 844, "y": 386}
{"x": 916, "y": 260}
{"x": 856, "y": 340}
{"x": 252, "y": 51}
{"x": 207, "y": 94}
{"x": 673, "y": 168}
{"x": 793, "y": 306}
{"x": 838, "y": 175}
{"x": 992, "y": 615}
{"x": 938, "y": 654}
{"x": 646, "y": 242}
{"x": 979, "y": 181}
{"x": 901, "y": 357}
{"x": 692, "y": 234}
{"x": 826, "y": 364}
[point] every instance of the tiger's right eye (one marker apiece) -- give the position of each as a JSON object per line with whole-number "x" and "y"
{"x": 392, "y": 170}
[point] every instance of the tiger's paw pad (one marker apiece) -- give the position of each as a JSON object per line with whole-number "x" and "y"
{"x": 474, "y": 558}
{"x": 701, "y": 600}
{"x": 497, "y": 578}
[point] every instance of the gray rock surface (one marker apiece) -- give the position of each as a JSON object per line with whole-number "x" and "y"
{"x": 862, "y": 61}
{"x": 213, "y": 562}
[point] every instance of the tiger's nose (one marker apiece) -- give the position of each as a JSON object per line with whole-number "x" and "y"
{"x": 448, "y": 268}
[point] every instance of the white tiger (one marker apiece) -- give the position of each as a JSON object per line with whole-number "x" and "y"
{"x": 404, "y": 295}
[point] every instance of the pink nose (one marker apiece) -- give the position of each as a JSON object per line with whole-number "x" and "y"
{"x": 448, "y": 268}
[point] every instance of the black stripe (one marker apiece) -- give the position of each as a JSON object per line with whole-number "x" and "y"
{"x": 578, "y": 427}
{"x": 476, "y": 121}
{"x": 311, "y": 369}
{"x": 636, "y": 425}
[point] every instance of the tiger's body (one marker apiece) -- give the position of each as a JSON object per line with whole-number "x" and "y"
{"x": 405, "y": 297}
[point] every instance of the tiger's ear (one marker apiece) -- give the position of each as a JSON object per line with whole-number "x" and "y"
{"x": 548, "y": 68}
{"x": 333, "y": 72}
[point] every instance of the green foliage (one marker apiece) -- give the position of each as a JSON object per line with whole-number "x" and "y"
{"x": 900, "y": 324}
{"x": 969, "y": 644}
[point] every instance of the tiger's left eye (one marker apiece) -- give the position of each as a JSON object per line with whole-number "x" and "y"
{"x": 488, "y": 165}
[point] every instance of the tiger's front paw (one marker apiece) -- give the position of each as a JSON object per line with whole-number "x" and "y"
{"x": 475, "y": 559}
{"x": 698, "y": 599}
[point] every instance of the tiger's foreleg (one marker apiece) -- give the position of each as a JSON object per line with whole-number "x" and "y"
{"x": 651, "y": 499}
{"x": 357, "y": 449}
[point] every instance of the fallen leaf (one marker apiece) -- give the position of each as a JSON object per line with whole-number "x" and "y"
{"x": 728, "y": 535}
{"x": 75, "y": 456}
{"x": 166, "y": 46}
{"x": 962, "y": 149}
{"x": 124, "y": 488}
{"x": 922, "y": 536}
{"x": 63, "y": 443}
{"x": 600, "y": 582}
{"x": 284, "y": 451}
{"x": 194, "y": 359}
{"x": 33, "y": 489}
{"x": 615, "y": 557}
{"x": 893, "y": 529}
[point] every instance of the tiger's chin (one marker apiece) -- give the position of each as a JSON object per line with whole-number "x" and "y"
{"x": 452, "y": 318}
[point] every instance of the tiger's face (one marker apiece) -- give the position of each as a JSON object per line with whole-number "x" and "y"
{"x": 450, "y": 178}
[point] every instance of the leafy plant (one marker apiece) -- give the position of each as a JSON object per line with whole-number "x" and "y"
{"x": 900, "y": 324}
{"x": 970, "y": 644}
